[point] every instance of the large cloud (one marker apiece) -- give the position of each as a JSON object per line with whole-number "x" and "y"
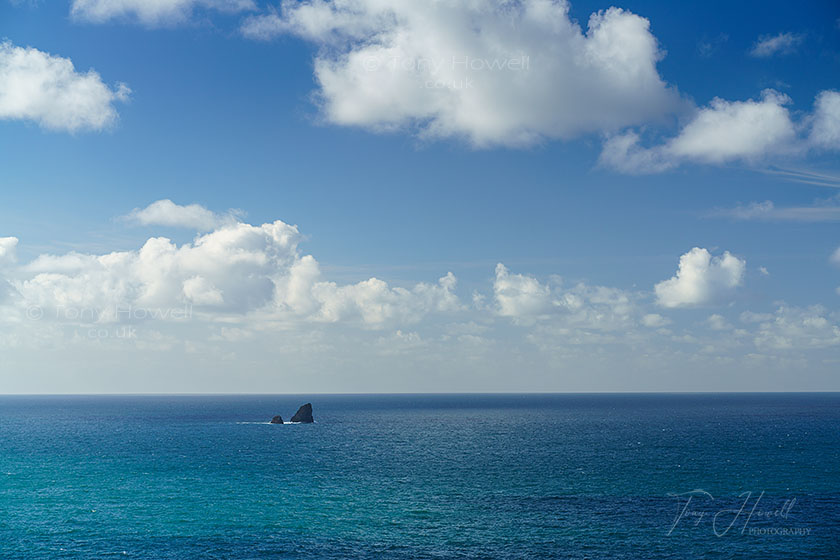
{"x": 237, "y": 269}
{"x": 701, "y": 279}
{"x": 260, "y": 303}
{"x": 728, "y": 131}
{"x": 37, "y": 86}
{"x": 151, "y": 12}
{"x": 490, "y": 71}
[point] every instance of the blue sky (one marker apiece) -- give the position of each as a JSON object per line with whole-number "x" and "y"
{"x": 406, "y": 187}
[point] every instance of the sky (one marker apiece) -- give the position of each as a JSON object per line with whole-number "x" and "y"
{"x": 317, "y": 196}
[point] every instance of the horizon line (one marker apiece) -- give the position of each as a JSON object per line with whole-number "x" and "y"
{"x": 414, "y": 393}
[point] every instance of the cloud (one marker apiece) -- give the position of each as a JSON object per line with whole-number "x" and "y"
{"x": 793, "y": 328}
{"x": 167, "y": 213}
{"x": 237, "y": 269}
{"x": 804, "y": 176}
{"x": 718, "y": 323}
{"x": 372, "y": 300}
{"x": 491, "y": 72}
{"x": 8, "y": 247}
{"x": 835, "y": 257}
{"x": 519, "y": 296}
{"x": 769, "y": 45}
{"x": 655, "y": 320}
{"x": 157, "y": 12}
{"x": 724, "y": 131}
{"x": 701, "y": 279}
{"x": 46, "y": 89}
{"x": 578, "y": 311}
{"x": 825, "y": 130}
{"x": 822, "y": 211}
{"x": 247, "y": 294}
{"x": 728, "y": 131}
{"x": 706, "y": 48}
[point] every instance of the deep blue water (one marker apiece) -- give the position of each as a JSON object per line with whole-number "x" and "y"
{"x": 421, "y": 476}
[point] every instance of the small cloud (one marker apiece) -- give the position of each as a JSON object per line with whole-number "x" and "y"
{"x": 701, "y": 279}
{"x": 763, "y": 271}
{"x": 167, "y": 213}
{"x": 8, "y": 247}
{"x": 706, "y": 48}
{"x": 769, "y": 45}
{"x": 835, "y": 257}
{"x": 751, "y": 211}
{"x": 47, "y": 89}
{"x": 718, "y": 323}
{"x": 655, "y": 320}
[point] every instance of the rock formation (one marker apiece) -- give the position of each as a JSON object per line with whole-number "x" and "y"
{"x": 303, "y": 415}
{"x": 277, "y": 420}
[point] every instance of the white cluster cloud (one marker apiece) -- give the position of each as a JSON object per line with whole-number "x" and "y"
{"x": 701, "y": 279}
{"x": 489, "y": 71}
{"x": 167, "y": 213}
{"x": 37, "y": 86}
{"x": 302, "y": 292}
{"x": 246, "y": 293}
{"x": 723, "y": 132}
{"x": 792, "y": 328}
{"x": 151, "y": 12}
{"x": 236, "y": 269}
{"x": 782, "y": 43}
{"x": 518, "y": 295}
{"x": 578, "y": 308}
{"x": 728, "y": 131}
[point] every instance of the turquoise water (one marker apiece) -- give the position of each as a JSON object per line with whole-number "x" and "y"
{"x": 421, "y": 476}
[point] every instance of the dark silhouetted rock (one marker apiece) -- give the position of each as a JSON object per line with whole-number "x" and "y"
{"x": 277, "y": 420}
{"x": 303, "y": 415}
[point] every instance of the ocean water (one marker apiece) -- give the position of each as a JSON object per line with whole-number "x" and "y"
{"x": 421, "y": 476}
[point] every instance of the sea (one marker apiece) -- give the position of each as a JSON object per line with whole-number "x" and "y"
{"x": 519, "y": 476}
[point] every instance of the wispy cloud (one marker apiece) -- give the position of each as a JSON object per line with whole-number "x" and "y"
{"x": 805, "y": 176}
{"x": 159, "y": 12}
{"x": 707, "y": 47}
{"x": 822, "y": 211}
{"x": 769, "y": 45}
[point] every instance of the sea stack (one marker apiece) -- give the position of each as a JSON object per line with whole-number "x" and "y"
{"x": 303, "y": 415}
{"x": 277, "y": 420}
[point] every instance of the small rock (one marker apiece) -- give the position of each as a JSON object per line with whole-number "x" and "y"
{"x": 277, "y": 420}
